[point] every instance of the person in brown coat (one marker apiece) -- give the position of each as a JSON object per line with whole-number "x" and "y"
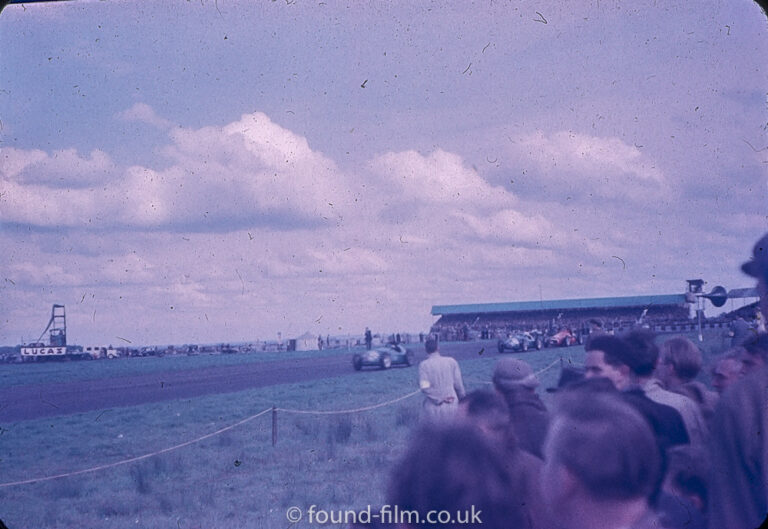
{"x": 488, "y": 412}
{"x": 515, "y": 381}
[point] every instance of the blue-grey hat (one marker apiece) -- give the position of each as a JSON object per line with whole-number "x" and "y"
{"x": 758, "y": 265}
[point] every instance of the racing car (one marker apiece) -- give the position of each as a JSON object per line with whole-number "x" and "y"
{"x": 384, "y": 357}
{"x": 520, "y": 341}
{"x": 563, "y": 338}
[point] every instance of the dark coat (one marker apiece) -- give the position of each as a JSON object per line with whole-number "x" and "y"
{"x": 528, "y": 418}
{"x": 665, "y": 421}
{"x": 739, "y": 448}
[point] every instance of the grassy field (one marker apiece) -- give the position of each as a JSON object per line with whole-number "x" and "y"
{"x": 236, "y": 479}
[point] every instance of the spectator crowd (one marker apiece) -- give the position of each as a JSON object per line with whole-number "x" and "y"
{"x": 457, "y": 327}
{"x": 630, "y": 440}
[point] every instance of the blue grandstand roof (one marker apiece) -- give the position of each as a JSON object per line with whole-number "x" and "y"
{"x": 560, "y": 304}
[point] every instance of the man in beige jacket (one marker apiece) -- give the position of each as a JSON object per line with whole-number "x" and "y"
{"x": 440, "y": 382}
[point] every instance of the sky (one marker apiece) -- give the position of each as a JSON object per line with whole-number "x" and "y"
{"x": 196, "y": 171}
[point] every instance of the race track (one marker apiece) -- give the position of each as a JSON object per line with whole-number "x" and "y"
{"x": 20, "y": 403}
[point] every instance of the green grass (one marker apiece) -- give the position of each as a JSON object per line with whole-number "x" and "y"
{"x": 236, "y": 479}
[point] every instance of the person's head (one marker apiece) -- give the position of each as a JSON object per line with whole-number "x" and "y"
{"x": 727, "y": 369}
{"x": 600, "y": 453}
{"x": 607, "y": 357}
{"x": 680, "y": 361}
{"x": 595, "y": 325}
{"x": 430, "y": 346}
{"x": 757, "y": 267}
{"x": 455, "y": 468}
{"x": 644, "y": 353}
{"x": 488, "y": 411}
{"x": 755, "y": 353}
{"x": 512, "y": 374}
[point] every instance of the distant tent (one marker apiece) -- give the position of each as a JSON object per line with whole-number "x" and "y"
{"x": 306, "y": 342}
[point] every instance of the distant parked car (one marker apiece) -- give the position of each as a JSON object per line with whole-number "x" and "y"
{"x": 384, "y": 357}
{"x": 520, "y": 341}
{"x": 563, "y": 338}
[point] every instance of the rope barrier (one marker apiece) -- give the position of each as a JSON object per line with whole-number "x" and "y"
{"x": 554, "y": 362}
{"x": 198, "y": 439}
{"x": 355, "y": 410}
{"x": 537, "y": 373}
{"x": 220, "y": 431}
{"x": 476, "y": 380}
{"x": 134, "y": 459}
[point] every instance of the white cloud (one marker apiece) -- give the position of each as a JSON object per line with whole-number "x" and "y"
{"x": 512, "y": 227}
{"x": 128, "y": 269}
{"x": 590, "y": 165}
{"x": 453, "y": 200}
{"x": 38, "y": 205}
{"x": 61, "y": 169}
{"x": 250, "y": 172}
{"x": 143, "y": 113}
{"x": 408, "y": 230}
{"x": 439, "y": 177}
{"x": 351, "y": 262}
{"x": 43, "y": 275}
{"x": 182, "y": 294}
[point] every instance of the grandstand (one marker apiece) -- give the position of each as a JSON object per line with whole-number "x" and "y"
{"x": 493, "y": 320}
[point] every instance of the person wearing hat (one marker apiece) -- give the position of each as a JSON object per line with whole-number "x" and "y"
{"x": 739, "y": 451}
{"x": 757, "y": 267}
{"x": 528, "y": 416}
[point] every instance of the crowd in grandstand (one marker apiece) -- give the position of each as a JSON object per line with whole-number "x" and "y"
{"x": 631, "y": 440}
{"x": 457, "y": 327}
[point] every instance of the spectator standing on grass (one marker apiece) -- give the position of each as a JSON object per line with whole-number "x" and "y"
{"x": 740, "y": 331}
{"x": 759, "y": 322}
{"x": 487, "y": 411}
{"x": 368, "y": 338}
{"x": 754, "y": 353}
{"x": 739, "y": 448}
{"x": 456, "y": 470}
{"x": 646, "y": 357}
{"x": 610, "y": 358}
{"x": 727, "y": 369}
{"x": 602, "y": 465}
{"x": 440, "y": 382}
{"x": 679, "y": 365}
{"x": 516, "y": 382}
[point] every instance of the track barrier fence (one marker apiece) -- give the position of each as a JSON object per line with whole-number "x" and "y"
{"x": 274, "y": 413}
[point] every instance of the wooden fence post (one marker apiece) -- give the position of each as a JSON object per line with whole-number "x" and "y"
{"x": 274, "y": 426}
